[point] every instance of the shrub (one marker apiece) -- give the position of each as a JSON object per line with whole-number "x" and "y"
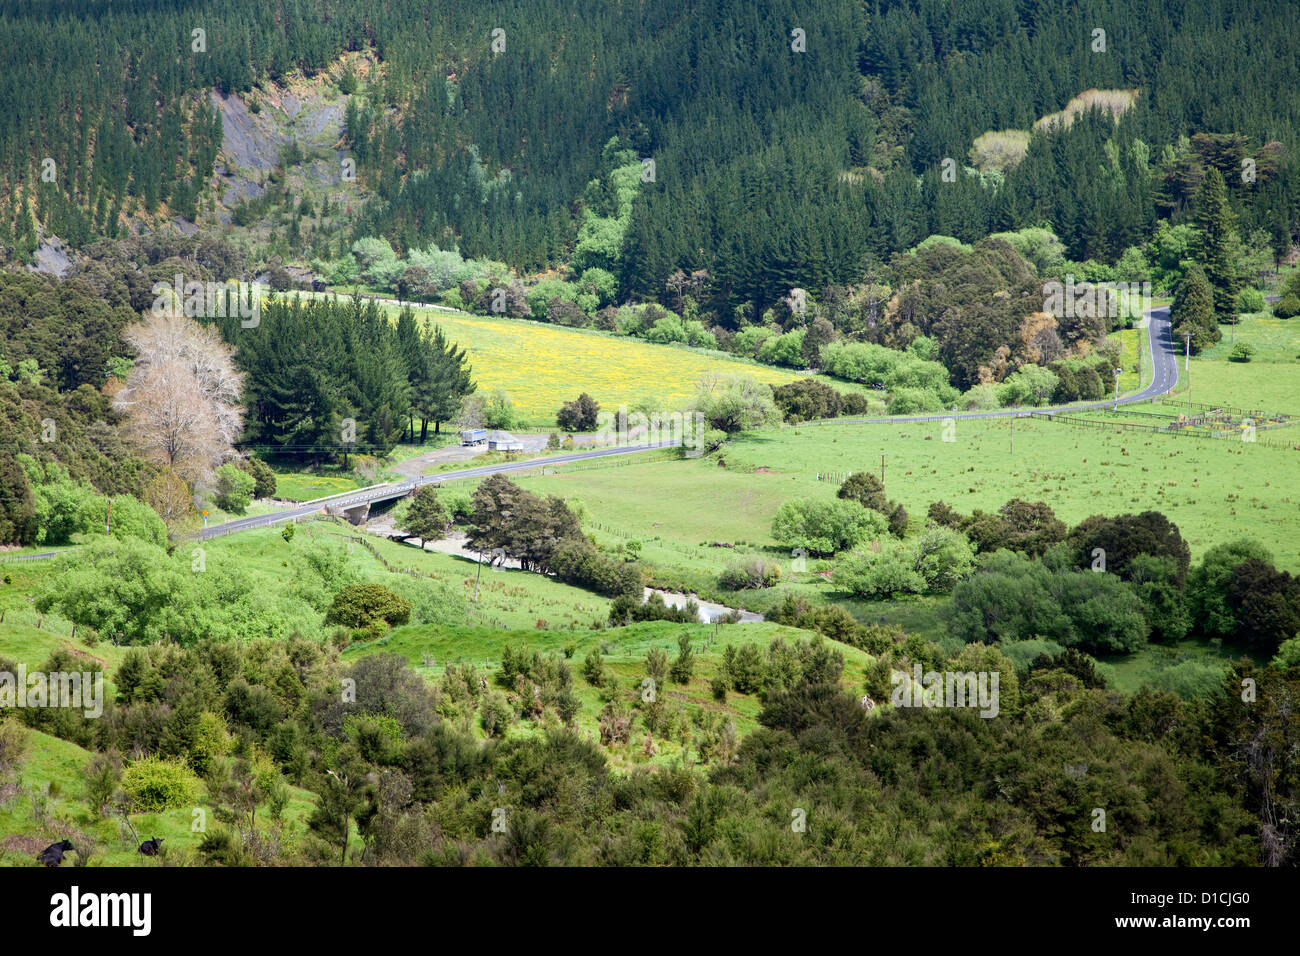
{"x": 1190, "y": 679}
{"x": 656, "y": 665}
{"x": 1250, "y": 300}
{"x": 130, "y": 519}
{"x": 936, "y": 560}
{"x": 866, "y": 489}
{"x": 363, "y": 605}
{"x": 579, "y": 415}
{"x": 459, "y": 504}
{"x": 1288, "y": 308}
{"x": 628, "y": 609}
{"x": 593, "y": 668}
{"x": 733, "y": 403}
{"x": 784, "y": 349}
{"x": 496, "y": 714}
{"x": 807, "y": 399}
{"x": 744, "y": 668}
{"x": 1031, "y": 385}
{"x": 753, "y": 573}
{"x": 155, "y": 784}
{"x": 263, "y": 476}
{"x": 854, "y": 403}
{"x": 667, "y": 330}
{"x": 683, "y": 665}
{"x": 747, "y": 341}
{"x": 499, "y": 411}
{"x": 824, "y": 527}
{"x": 914, "y": 401}
{"x": 577, "y": 561}
{"x": 13, "y": 741}
{"x": 234, "y": 489}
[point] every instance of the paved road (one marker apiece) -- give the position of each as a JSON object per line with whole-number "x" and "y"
{"x": 1159, "y": 343}
{"x": 399, "y": 489}
{"x": 1158, "y": 339}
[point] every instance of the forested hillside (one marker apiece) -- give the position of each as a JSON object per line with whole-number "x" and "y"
{"x": 641, "y": 432}
{"x": 790, "y": 148}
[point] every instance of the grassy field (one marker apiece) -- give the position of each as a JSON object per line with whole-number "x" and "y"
{"x": 48, "y": 803}
{"x": 1270, "y": 381}
{"x": 309, "y": 485}
{"x": 1128, "y": 360}
{"x": 1214, "y": 490}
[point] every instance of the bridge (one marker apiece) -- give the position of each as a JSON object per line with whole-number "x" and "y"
{"x": 355, "y": 505}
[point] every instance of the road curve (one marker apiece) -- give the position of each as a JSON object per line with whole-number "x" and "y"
{"x": 1160, "y": 345}
{"x": 1159, "y": 340}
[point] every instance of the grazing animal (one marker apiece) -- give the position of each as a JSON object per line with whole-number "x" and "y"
{"x": 151, "y": 847}
{"x": 52, "y": 855}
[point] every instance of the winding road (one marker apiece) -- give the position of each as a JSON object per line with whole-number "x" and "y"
{"x": 1160, "y": 344}
{"x": 1159, "y": 341}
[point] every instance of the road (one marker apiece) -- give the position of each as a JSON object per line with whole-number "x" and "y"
{"x": 1159, "y": 343}
{"x": 1159, "y": 340}
{"x": 400, "y": 489}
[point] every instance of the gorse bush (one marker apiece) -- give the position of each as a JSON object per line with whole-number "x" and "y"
{"x": 363, "y": 605}
{"x": 155, "y": 784}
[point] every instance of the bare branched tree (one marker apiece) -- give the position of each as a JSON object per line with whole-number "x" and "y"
{"x": 182, "y": 399}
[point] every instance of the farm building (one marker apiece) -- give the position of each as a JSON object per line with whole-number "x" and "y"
{"x": 504, "y": 441}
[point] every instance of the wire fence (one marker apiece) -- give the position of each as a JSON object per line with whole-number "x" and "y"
{"x": 42, "y": 556}
{"x": 1253, "y": 413}
{"x": 1175, "y": 429}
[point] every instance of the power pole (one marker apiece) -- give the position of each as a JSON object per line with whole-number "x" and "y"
{"x": 1013, "y": 434}
{"x": 1187, "y": 369}
{"x": 477, "y": 573}
{"x": 882, "y": 469}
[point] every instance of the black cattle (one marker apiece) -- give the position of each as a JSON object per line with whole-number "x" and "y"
{"x": 151, "y": 847}
{"x": 52, "y": 855}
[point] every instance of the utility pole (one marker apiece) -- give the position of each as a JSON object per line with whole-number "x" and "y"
{"x": 477, "y": 573}
{"x": 1117, "y": 372}
{"x": 1187, "y": 369}
{"x": 882, "y": 469}
{"x": 1013, "y": 434}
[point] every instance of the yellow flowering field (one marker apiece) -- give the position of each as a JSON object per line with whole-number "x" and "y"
{"x": 540, "y": 366}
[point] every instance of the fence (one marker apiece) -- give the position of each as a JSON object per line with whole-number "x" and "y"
{"x": 42, "y": 556}
{"x": 1169, "y": 430}
{"x": 1251, "y": 413}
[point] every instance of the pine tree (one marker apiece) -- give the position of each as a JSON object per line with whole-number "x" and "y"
{"x": 1193, "y": 310}
{"x": 426, "y": 518}
{"x": 1218, "y": 237}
